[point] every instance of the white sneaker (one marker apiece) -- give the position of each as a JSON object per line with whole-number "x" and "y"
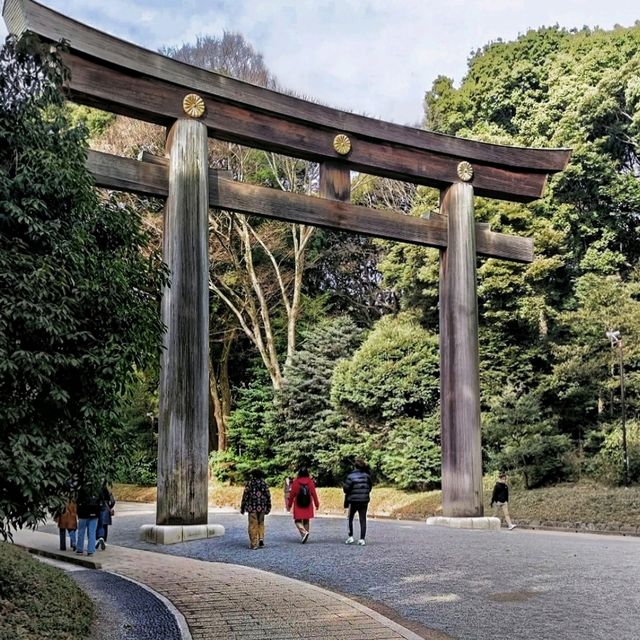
{"x": 512, "y": 526}
{"x": 349, "y": 540}
{"x": 361, "y": 542}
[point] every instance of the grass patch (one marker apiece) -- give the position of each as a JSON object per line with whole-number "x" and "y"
{"x": 574, "y": 503}
{"x": 39, "y": 602}
{"x": 583, "y": 502}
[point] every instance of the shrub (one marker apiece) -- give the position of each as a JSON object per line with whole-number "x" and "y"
{"x": 39, "y": 602}
{"x": 607, "y": 465}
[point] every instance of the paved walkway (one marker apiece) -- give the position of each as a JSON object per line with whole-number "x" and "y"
{"x": 231, "y": 602}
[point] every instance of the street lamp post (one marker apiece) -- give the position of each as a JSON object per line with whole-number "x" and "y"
{"x": 616, "y": 341}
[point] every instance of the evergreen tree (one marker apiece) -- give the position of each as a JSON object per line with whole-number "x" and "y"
{"x": 306, "y": 421}
{"x": 522, "y": 438}
{"x": 388, "y": 392}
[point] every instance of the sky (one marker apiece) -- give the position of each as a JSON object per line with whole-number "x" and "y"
{"x": 375, "y": 57}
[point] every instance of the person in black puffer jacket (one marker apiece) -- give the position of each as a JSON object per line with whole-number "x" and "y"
{"x": 357, "y": 490}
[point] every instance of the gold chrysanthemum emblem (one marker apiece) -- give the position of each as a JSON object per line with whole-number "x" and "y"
{"x": 342, "y": 144}
{"x": 465, "y": 171}
{"x": 193, "y": 105}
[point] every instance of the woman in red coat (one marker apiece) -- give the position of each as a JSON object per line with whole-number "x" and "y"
{"x": 302, "y": 498}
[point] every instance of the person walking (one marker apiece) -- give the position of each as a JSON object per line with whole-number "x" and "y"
{"x": 303, "y": 497}
{"x": 256, "y": 501}
{"x": 357, "y": 493}
{"x": 88, "y": 512}
{"x": 107, "y": 503}
{"x": 500, "y": 498}
{"x": 67, "y": 522}
{"x": 287, "y": 491}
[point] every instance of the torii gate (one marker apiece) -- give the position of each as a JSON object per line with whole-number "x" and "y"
{"x": 192, "y": 103}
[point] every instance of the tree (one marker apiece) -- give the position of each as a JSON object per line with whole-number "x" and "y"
{"x": 523, "y": 439}
{"x": 388, "y": 392}
{"x": 542, "y": 325}
{"x": 307, "y": 424}
{"x": 79, "y": 295}
{"x": 250, "y": 433}
{"x": 344, "y": 272}
{"x": 230, "y": 55}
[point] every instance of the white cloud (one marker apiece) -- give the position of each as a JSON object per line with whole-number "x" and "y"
{"x": 371, "y": 56}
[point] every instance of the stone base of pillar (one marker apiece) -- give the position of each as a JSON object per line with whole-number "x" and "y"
{"x": 465, "y": 523}
{"x": 162, "y": 534}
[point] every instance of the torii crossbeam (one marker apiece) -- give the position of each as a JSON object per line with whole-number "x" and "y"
{"x": 193, "y": 104}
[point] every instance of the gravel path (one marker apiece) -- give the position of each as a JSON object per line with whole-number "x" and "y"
{"x": 468, "y": 584}
{"x": 125, "y": 610}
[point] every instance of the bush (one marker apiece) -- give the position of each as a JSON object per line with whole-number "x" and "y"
{"x": 520, "y": 438}
{"x": 412, "y": 457}
{"x": 607, "y": 466}
{"x": 388, "y": 394}
{"x": 38, "y": 602}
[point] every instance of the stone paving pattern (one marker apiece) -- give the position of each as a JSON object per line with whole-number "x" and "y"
{"x": 467, "y": 584}
{"x": 223, "y": 601}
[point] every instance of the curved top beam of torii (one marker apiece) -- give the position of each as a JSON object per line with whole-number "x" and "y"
{"x": 117, "y": 76}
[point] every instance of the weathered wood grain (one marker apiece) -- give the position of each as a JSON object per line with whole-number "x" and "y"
{"x": 20, "y": 15}
{"x": 114, "y": 172}
{"x": 335, "y": 181}
{"x": 160, "y": 102}
{"x": 183, "y": 426}
{"x": 145, "y": 156}
{"x": 459, "y": 364}
{"x": 115, "y": 75}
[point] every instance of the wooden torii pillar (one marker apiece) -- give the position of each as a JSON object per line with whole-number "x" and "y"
{"x": 120, "y": 77}
{"x": 183, "y": 423}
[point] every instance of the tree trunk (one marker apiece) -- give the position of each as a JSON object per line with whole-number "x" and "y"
{"x": 216, "y": 425}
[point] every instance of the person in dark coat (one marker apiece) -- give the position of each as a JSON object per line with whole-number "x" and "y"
{"x": 357, "y": 493}
{"x": 500, "y": 498}
{"x": 303, "y": 497}
{"x": 287, "y": 491}
{"x": 256, "y": 501}
{"x": 107, "y": 503}
{"x": 88, "y": 512}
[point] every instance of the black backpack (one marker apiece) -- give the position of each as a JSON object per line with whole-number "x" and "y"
{"x": 303, "y": 497}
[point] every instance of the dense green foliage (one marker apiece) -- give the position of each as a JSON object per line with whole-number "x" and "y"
{"x": 550, "y": 380}
{"x": 389, "y": 393}
{"x": 308, "y": 429}
{"x": 520, "y": 436}
{"x": 360, "y": 374}
{"x": 79, "y": 296}
{"x": 543, "y": 326}
{"x": 134, "y": 441}
{"x": 38, "y": 602}
{"x": 299, "y": 426}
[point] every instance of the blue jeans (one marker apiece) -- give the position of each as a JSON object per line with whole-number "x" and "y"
{"x": 89, "y": 525}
